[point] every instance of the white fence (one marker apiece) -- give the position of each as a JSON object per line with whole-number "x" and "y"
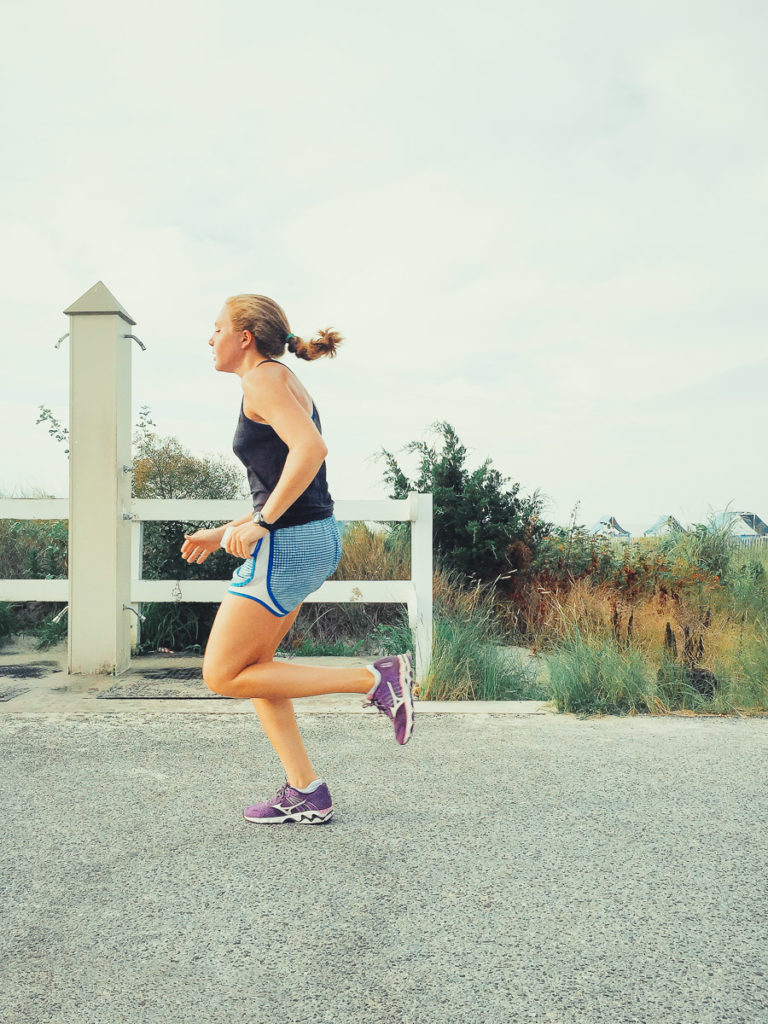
{"x": 105, "y": 522}
{"x": 415, "y": 592}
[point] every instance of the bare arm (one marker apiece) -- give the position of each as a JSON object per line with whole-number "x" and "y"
{"x": 237, "y": 522}
{"x": 306, "y": 448}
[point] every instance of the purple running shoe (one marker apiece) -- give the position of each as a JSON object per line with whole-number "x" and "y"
{"x": 291, "y": 804}
{"x": 393, "y": 696}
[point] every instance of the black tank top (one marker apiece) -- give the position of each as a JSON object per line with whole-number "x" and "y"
{"x": 263, "y": 453}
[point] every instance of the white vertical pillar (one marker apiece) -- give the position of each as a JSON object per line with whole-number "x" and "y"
{"x": 420, "y": 608}
{"x": 99, "y": 490}
{"x": 137, "y": 562}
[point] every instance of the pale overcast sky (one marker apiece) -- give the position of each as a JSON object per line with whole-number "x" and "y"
{"x": 545, "y": 223}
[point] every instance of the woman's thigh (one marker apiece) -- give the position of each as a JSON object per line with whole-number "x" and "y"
{"x": 243, "y": 633}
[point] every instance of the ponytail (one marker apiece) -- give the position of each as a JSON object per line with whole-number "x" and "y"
{"x": 325, "y": 344}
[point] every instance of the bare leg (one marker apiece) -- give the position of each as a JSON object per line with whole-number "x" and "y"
{"x": 279, "y": 722}
{"x": 276, "y": 680}
{"x": 244, "y": 639}
{"x": 239, "y": 656}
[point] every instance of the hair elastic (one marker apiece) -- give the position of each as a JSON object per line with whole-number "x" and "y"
{"x": 289, "y": 336}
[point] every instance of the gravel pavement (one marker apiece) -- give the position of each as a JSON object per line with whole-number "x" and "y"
{"x": 498, "y": 868}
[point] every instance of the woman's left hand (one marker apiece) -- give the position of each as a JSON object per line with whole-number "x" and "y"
{"x": 243, "y": 539}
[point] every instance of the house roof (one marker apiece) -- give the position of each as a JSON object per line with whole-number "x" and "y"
{"x": 609, "y": 526}
{"x": 658, "y": 527}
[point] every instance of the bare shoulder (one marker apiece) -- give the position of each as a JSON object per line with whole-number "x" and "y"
{"x": 267, "y": 384}
{"x": 265, "y": 377}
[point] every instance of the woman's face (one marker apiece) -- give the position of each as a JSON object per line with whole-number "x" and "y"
{"x": 227, "y": 343}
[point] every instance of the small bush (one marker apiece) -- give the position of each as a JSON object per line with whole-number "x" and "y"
{"x": 707, "y": 546}
{"x": 588, "y": 676}
{"x": 176, "y": 626}
{"x": 48, "y": 632}
{"x": 467, "y": 661}
{"x": 7, "y": 622}
{"x": 34, "y": 549}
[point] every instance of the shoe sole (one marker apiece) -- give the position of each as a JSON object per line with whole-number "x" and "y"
{"x": 405, "y": 676}
{"x": 304, "y": 818}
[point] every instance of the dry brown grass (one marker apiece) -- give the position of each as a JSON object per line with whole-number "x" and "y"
{"x": 599, "y": 612}
{"x": 454, "y": 599}
{"x": 371, "y": 555}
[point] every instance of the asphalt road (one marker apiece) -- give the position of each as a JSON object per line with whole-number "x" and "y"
{"x": 496, "y": 868}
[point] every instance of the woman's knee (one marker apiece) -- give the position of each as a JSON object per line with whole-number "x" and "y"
{"x": 223, "y": 682}
{"x": 216, "y": 680}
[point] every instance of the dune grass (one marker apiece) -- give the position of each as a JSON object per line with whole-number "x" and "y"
{"x": 468, "y": 661}
{"x": 700, "y": 607}
{"x": 620, "y": 634}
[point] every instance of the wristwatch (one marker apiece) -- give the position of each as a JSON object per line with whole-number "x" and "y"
{"x": 258, "y": 518}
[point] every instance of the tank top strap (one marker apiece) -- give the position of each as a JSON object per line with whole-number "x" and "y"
{"x": 281, "y": 363}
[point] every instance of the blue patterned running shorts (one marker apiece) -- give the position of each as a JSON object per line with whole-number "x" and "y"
{"x": 288, "y": 564}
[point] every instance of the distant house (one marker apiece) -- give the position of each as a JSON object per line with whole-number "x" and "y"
{"x": 744, "y": 526}
{"x": 663, "y": 525}
{"x": 755, "y": 522}
{"x": 608, "y": 526}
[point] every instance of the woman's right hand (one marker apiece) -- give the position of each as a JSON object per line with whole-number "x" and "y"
{"x": 197, "y": 546}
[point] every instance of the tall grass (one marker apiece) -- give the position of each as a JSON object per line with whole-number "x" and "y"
{"x": 608, "y": 649}
{"x": 592, "y": 674}
{"x": 467, "y": 660}
{"x": 374, "y": 554}
{"x": 7, "y": 622}
{"x": 602, "y": 620}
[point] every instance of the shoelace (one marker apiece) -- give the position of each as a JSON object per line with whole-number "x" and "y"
{"x": 280, "y": 793}
{"x": 380, "y": 706}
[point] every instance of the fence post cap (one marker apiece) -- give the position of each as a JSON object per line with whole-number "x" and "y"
{"x": 98, "y": 299}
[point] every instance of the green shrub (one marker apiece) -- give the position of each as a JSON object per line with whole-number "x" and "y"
{"x": 481, "y": 528}
{"x": 566, "y": 554}
{"x": 47, "y": 632}
{"x": 7, "y": 622}
{"x": 33, "y": 549}
{"x": 465, "y": 666}
{"x": 707, "y": 546}
{"x": 177, "y": 626}
{"x": 468, "y": 661}
{"x": 598, "y": 676}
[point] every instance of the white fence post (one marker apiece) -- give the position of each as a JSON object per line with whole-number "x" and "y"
{"x": 420, "y": 602}
{"x": 99, "y": 488}
{"x": 137, "y": 564}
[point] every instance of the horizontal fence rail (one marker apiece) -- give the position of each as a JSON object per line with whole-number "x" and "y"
{"x": 415, "y": 593}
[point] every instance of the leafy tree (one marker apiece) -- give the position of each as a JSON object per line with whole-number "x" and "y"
{"x": 481, "y": 527}
{"x": 55, "y": 429}
{"x": 163, "y": 468}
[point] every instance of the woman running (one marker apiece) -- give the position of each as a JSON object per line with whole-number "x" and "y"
{"x": 291, "y": 544}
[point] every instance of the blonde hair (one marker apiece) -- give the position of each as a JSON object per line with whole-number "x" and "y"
{"x": 270, "y": 329}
